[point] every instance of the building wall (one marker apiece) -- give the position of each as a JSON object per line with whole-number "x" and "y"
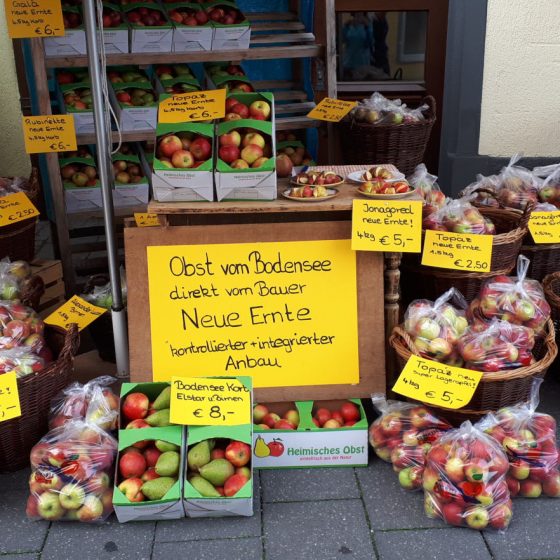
{"x": 520, "y": 102}
{"x": 13, "y": 159}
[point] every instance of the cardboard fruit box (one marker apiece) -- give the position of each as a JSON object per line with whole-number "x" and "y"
{"x": 131, "y": 190}
{"x": 115, "y": 38}
{"x": 183, "y": 184}
{"x": 188, "y": 37}
{"x": 151, "y": 390}
{"x": 309, "y": 446}
{"x": 169, "y": 506}
{"x": 175, "y": 78}
{"x": 248, "y": 183}
{"x": 229, "y": 36}
{"x": 149, "y": 38}
{"x": 218, "y": 77}
{"x": 73, "y": 42}
{"x": 78, "y": 197}
{"x": 240, "y": 504}
{"x": 83, "y": 117}
{"x": 134, "y": 117}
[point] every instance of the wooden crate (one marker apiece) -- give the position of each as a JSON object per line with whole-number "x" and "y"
{"x": 51, "y": 273}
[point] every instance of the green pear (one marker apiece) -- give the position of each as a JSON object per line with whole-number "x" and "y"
{"x": 164, "y": 446}
{"x": 168, "y": 463}
{"x": 204, "y": 488}
{"x": 163, "y": 399}
{"x": 199, "y": 455}
{"x": 159, "y": 419}
{"x": 217, "y": 471}
{"x": 157, "y": 488}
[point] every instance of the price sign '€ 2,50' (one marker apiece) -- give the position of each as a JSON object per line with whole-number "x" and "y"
{"x": 206, "y": 401}
{"x": 437, "y": 384}
{"x": 193, "y": 106}
{"x": 380, "y": 225}
{"x": 75, "y": 310}
{"x": 15, "y": 208}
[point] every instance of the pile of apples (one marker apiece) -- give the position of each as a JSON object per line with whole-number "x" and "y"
{"x": 459, "y": 217}
{"x": 219, "y": 468}
{"x": 219, "y": 70}
{"x": 550, "y": 194}
{"x": 79, "y": 99}
{"x": 146, "y": 17}
{"x": 496, "y": 347}
{"x": 111, "y": 17}
{"x": 148, "y": 469}
{"x": 167, "y": 72}
{"x": 79, "y": 174}
{"x": 21, "y": 361}
{"x": 184, "y": 150}
{"x": 126, "y": 171}
{"x": 258, "y": 110}
{"x": 464, "y": 481}
{"x": 71, "y": 476}
{"x": 435, "y": 329}
{"x": 529, "y": 440}
{"x": 136, "y": 97}
{"x": 117, "y": 76}
{"x": 64, "y": 77}
{"x": 225, "y": 15}
{"x": 346, "y": 416}
{"x": 242, "y": 149}
{"x": 266, "y": 420}
{"x": 138, "y": 412}
{"x": 425, "y": 183}
{"x": 379, "y": 186}
{"x": 71, "y": 19}
{"x": 188, "y": 16}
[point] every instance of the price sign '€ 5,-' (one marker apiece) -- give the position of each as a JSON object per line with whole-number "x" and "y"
{"x": 9, "y": 397}
{"x": 194, "y": 106}
{"x": 545, "y": 227}
{"x": 331, "y": 110}
{"x": 75, "y": 310}
{"x": 39, "y": 18}
{"x": 457, "y": 251}
{"x": 210, "y": 401}
{"x": 380, "y": 225}
{"x": 15, "y": 208}
{"x": 437, "y": 384}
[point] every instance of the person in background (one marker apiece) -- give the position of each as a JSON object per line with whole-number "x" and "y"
{"x": 380, "y": 28}
{"x": 357, "y": 39}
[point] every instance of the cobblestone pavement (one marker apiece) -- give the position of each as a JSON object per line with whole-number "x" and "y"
{"x": 318, "y": 514}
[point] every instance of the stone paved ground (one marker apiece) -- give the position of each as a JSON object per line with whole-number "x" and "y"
{"x": 320, "y": 514}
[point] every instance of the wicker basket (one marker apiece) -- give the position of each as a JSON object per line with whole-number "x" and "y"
{"x": 19, "y": 435}
{"x": 402, "y": 145}
{"x": 551, "y": 286}
{"x": 17, "y": 241}
{"x": 496, "y": 389}
{"x": 544, "y": 258}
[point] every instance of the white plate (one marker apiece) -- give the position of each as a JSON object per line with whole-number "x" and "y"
{"x": 356, "y": 177}
{"x": 331, "y": 193}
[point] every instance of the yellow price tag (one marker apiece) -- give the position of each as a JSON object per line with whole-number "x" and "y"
{"x": 380, "y": 225}
{"x": 209, "y": 401}
{"x": 331, "y": 110}
{"x": 49, "y": 133}
{"x": 193, "y": 106}
{"x": 9, "y": 397}
{"x": 75, "y": 310}
{"x": 545, "y": 227}
{"x": 146, "y": 220}
{"x": 457, "y": 251}
{"x": 40, "y": 18}
{"x": 15, "y": 208}
{"x": 437, "y": 384}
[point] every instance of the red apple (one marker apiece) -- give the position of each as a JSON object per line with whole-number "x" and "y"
{"x": 135, "y": 406}
{"x": 132, "y": 489}
{"x": 201, "y": 148}
{"x": 233, "y": 484}
{"x": 238, "y": 453}
{"x": 182, "y": 159}
{"x": 132, "y": 464}
{"x": 169, "y": 145}
{"x": 228, "y": 154}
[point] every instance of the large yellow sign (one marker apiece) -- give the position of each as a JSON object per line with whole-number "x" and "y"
{"x": 284, "y": 313}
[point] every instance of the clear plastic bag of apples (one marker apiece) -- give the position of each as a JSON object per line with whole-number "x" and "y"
{"x": 71, "y": 474}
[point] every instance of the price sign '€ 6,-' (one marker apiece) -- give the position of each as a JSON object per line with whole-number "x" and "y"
{"x": 193, "y": 106}
{"x": 9, "y": 397}
{"x": 380, "y": 225}
{"x": 49, "y": 133}
{"x": 38, "y": 18}
{"x": 75, "y": 310}
{"x": 457, "y": 251}
{"x": 331, "y": 110}
{"x": 15, "y": 208}
{"x": 437, "y": 384}
{"x": 210, "y": 401}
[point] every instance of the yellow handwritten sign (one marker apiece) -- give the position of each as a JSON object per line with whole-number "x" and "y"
{"x": 15, "y": 208}
{"x": 545, "y": 227}
{"x": 146, "y": 220}
{"x": 75, "y": 310}
{"x": 437, "y": 384}
{"x": 381, "y": 225}
{"x": 209, "y": 401}
{"x": 457, "y": 251}
{"x": 9, "y": 397}
{"x": 193, "y": 106}
{"x": 49, "y": 133}
{"x": 331, "y": 110}
{"x": 40, "y": 18}
{"x": 285, "y": 313}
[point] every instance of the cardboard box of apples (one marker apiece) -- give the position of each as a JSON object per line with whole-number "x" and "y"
{"x": 183, "y": 162}
{"x": 229, "y": 76}
{"x": 73, "y": 42}
{"x": 131, "y": 184}
{"x": 75, "y": 99}
{"x": 175, "y": 78}
{"x": 135, "y": 105}
{"x": 150, "y": 30}
{"x": 115, "y": 30}
{"x": 246, "y": 162}
{"x": 309, "y": 434}
{"x": 81, "y": 184}
{"x": 192, "y": 28}
{"x": 232, "y": 30}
